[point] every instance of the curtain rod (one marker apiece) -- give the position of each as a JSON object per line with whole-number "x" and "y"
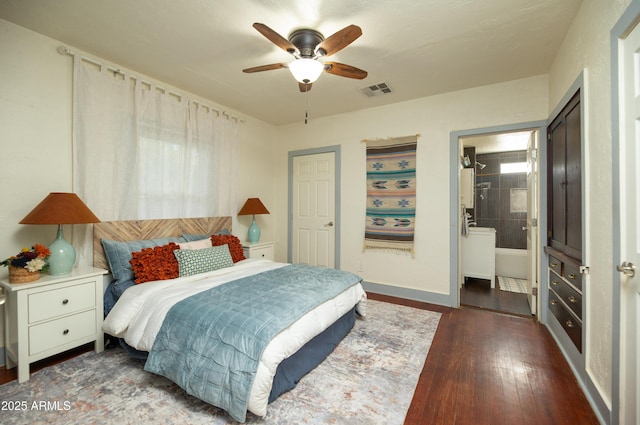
{"x": 63, "y": 50}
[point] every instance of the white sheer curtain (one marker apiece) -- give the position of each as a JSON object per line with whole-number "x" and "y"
{"x": 140, "y": 152}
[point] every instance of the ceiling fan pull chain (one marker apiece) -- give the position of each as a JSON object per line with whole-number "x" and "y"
{"x": 306, "y": 107}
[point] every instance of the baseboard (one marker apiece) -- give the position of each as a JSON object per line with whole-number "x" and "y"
{"x": 577, "y": 365}
{"x": 407, "y": 293}
{"x": 603, "y": 412}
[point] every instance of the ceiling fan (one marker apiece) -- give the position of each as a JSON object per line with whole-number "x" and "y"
{"x": 307, "y": 46}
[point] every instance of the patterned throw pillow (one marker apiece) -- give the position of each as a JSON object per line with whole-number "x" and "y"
{"x": 157, "y": 263}
{"x": 194, "y": 261}
{"x": 235, "y": 247}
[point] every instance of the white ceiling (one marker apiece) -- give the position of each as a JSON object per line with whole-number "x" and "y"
{"x": 418, "y": 47}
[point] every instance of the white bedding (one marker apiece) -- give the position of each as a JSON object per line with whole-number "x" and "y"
{"x": 140, "y": 311}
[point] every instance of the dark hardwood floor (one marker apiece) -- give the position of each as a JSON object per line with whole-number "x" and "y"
{"x": 478, "y": 293}
{"x": 482, "y": 368}
{"x": 491, "y": 368}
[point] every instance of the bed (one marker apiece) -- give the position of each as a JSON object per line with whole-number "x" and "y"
{"x": 234, "y": 332}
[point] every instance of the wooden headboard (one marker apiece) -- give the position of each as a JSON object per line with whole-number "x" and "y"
{"x": 132, "y": 230}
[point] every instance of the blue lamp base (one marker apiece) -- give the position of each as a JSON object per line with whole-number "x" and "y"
{"x": 254, "y": 231}
{"x": 62, "y": 257}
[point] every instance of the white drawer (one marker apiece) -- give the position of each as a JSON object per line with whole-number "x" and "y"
{"x": 62, "y": 331}
{"x": 57, "y": 302}
{"x": 265, "y": 252}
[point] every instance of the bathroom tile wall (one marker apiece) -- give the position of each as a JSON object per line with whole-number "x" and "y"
{"x": 493, "y": 199}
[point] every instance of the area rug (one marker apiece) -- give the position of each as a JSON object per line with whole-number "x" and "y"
{"x": 512, "y": 284}
{"x": 368, "y": 379}
{"x": 391, "y": 194}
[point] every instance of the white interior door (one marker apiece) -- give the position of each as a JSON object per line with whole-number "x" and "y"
{"x": 629, "y": 226}
{"x": 313, "y": 199}
{"x": 532, "y": 221}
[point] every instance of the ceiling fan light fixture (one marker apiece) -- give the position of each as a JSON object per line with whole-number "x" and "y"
{"x": 306, "y": 70}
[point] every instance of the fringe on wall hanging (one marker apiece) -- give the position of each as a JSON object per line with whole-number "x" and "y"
{"x": 391, "y": 194}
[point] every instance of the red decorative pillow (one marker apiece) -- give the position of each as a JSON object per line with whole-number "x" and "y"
{"x": 157, "y": 263}
{"x": 235, "y": 247}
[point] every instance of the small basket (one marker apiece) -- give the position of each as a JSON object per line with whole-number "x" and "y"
{"x": 22, "y": 275}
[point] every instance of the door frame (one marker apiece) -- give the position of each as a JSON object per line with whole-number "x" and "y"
{"x": 627, "y": 21}
{"x": 306, "y": 152}
{"x": 454, "y": 201}
{"x": 533, "y": 232}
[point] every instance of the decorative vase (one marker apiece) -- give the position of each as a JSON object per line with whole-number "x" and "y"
{"x": 22, "y": 275}
{"x": 254, "y": 231}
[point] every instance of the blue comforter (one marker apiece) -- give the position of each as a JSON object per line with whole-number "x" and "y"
{"x": 210, "y": 344}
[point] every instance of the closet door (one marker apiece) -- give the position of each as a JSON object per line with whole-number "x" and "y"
{"x": 565, "y": 181}
{"x": 557, "y": 185}
{"x": 573, "y": 246}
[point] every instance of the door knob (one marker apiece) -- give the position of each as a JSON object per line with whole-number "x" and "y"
{"x": 329, "y": 224}
{"x": 627, "y": 268}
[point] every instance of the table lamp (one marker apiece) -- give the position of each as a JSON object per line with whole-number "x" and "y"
{"x": 61, "y": 208}
{"x": 253, "y": 206}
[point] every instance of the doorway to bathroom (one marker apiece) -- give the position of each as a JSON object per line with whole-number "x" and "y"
{"x": 498, "y": 258}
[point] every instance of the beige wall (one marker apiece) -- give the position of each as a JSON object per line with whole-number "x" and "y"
{"x": 434, "y": 118}
{"x": 35, "y": 129}
{"x": 35, "y": 121}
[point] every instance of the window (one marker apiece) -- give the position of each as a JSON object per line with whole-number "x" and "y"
{"x": 185, "y": 185}
{"x": 513, "y": 167}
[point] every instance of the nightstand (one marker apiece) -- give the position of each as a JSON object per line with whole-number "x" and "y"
{"x": 259, "y": 250}
{"x": 52, "y": 315}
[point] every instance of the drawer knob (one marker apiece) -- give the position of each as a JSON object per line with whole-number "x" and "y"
{"x": 569, "y": 324}
{"x": 554, "y": 264}
{"x": 572, "y": 299}
{"x": 65, "y": 301}
{"x": 554, "y": 283}
{"x": 65, "y": 332}
{"x": 572, "y": 276}
{"x": 554, "y": 302}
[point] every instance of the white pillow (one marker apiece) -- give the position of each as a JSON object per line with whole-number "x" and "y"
{"x": 204, "y": 243}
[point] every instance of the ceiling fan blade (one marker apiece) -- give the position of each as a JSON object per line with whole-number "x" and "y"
{"x": 275, "y": 38}
{"x": 304, "y": 87}
{"x": 266, "y": 67}
{"x": 339, "y": 40}
{"x": 343, "y": 70}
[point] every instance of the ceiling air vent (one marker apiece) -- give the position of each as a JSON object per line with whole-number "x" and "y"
{"x": 376, "y": 90}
